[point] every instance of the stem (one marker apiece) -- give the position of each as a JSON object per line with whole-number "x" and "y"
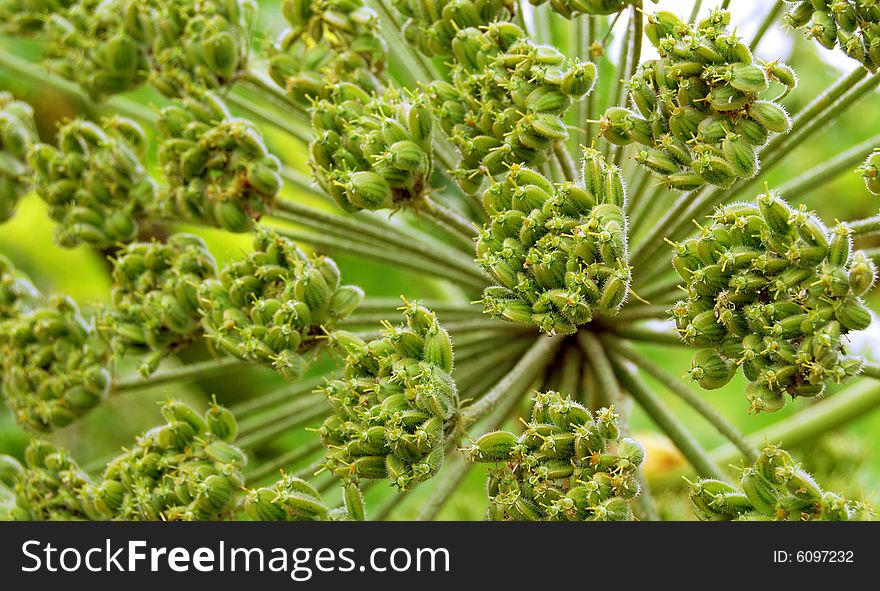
{"x": 277, "y": 429}
{"x": 812, "y": 421}
{"x": 826, "y": 172}
{"x": 517, "y": 379}
{"x": 695, "y": 11}
{"x": 667, "y": 422}
{"x": 642, "y": 312}
{"x": 462, "y": 227}
{"x": 871, "y": 370}
{"x": 282, "y": 394}
{"x": 570, "y": 372}
{"x": 637, "y": 23}
{"x": 348, "y": 227}
{"x": 647, "y": 247}
{"x": 471, "y": 372}
{"x": 865, "y": 227}
{"x": 290, "y": 458}
{"x": 706, "y": 410}
{"x": 619, "y": 70}
{"x": 453, "y": 474}
{"x": 765, "y": 24}
{"x": 606, "y": 387}
{"x": 647, "y": 335}
{"x": 284, "y": 124}
{"x": 414, "y": 263}
{"x": 569, "y": 169}
{"x": 256, "y": 422}
{"x": 185, "y": 373}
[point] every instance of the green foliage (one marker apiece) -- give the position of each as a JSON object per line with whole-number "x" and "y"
{"x": 851, "y": 25}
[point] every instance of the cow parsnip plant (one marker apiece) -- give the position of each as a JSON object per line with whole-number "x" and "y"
{"x": 477, "y": 123}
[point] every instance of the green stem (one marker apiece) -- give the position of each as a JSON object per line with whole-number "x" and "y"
{"x": 618, "y": 80}
{"x": 648, "y": 246}
{"x": 667, "y": 422}
{"x": 820, "y": 175}
{"x": 373, "y": 231}
{"x": 460, "y": 226}
{"x": 871, "y": 370}
{"x": 638, "y": 312}
{"x": 378, "y": 304}
{"x": 695, "y": 11}
{"x": 873, "y": 254}
{"x": 449, "y": 479}
{"x": 285, "y": 460}
{"x": 806, "y": 425}
{"x": 383, "y": 255}
{"x": 569, "y": 168}
{"x": 501, "y": 353}
{"x": 281, "y": 123}
{"x": 517, "y": 379}
{"x": 677, "y": 387}
{"x": 637, "y": 24}
{"x": 766, "y": 23}
{"x": 258, "y": 421}
{"x": 865, "y": 227}
{"x": 185, "y": 373}
{"x": 607, "y": 389}
{"x": 647, "y": 335}
{"x": 279, "y": 428}
{"x": 278, "y": 395}
{"x": 570, "y": 373}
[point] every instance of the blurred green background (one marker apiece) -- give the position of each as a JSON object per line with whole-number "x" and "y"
{"x": 83, "y": 273}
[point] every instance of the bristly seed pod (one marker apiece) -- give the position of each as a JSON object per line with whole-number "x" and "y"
{"x": 558, "y": 254}
{"x": 396, "y": 406}
{"x": 870, "y": 171}
{"x": 774, "y": 488}
{"x": 568, "y": 465}
{"x": 276, "y": 304}
{"x": 705, "y": 92}
{"x": 772, "y": 290}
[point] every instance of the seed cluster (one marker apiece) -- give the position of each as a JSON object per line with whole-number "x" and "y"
{"x": 218, "y": 168}
{"x": 48, "y": 487}
{"x": 17, "y": 133}
{"x": 775, "y": 488}
{"x": 431, "y": 26}
{"x": 275, "y": 304}
{"x": 327, "y": 42}
{"x": 771, "y": 289}
{"x": 371, "y": 151}
{"x": 187, "y": 469}
{"x": 294, "y": 499}
{"x": 396, "y": 406}
{"x": 94, "y": 182}
{"x": 700, "y": 118}
{"x": 569, "y": 465}
{"x": 52, "y": 372}
{"x": 506, "y": 100}
{"x": 155, "y": 296}
{"x": 112, "y": 46}
{"x": 853, "y": 25}
{"x": 202, "y": 43}
{"x": 559, "y": 254}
